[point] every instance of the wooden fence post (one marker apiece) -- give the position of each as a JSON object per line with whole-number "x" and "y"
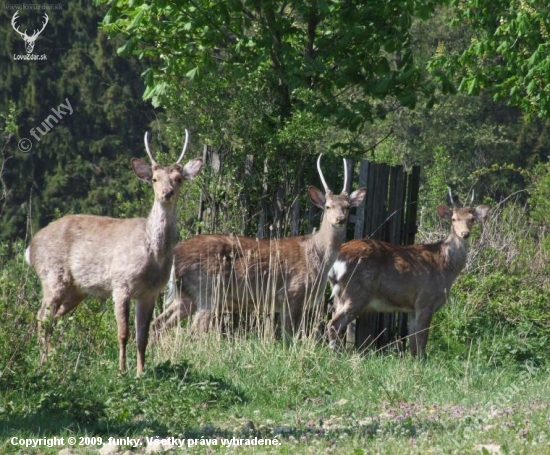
{"x": 389, "y": 214}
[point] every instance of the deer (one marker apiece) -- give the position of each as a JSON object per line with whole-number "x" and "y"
{"x": 86, "y": 255}
{"x": 235, "y": 272}
{"x": 374, "y": 276}
{"x": 29, "y": 40}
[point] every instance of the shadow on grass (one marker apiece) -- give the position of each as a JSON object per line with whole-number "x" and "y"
{"x": 167, "y": 399}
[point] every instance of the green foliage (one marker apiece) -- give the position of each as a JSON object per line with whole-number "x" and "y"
{"x": 17, "y": 286}
{"x": 508, "y": 56}
{"x": 327, "y": 46}
{"x": 503, "y": 317}
{"x": 540, "y": 194}
{"x": 8, "y": 120}
{"x": 438, "y": 178}
{"x": 489, "y": 145}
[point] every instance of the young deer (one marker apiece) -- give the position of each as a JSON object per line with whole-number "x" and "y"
{"x": 235, "y": 273}
{"x": 85, "y": 255}
{"x": 371, "y": 275}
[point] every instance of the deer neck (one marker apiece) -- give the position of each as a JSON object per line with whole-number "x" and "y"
{"x": 454, "y": 252}
{"x": 162, "y": 229}
{"x": 327, "y": 242}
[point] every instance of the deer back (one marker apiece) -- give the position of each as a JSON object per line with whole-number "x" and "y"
{"x": 246, "y": 268}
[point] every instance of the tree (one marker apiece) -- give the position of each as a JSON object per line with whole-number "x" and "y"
{"x": 82, "y": 162}
{"x": 346, "y": 52}
{"x": 509, "y": 54}
{"x": 274, "y": 81}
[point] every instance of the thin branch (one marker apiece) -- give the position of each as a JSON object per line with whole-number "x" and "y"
{"x": 390, "y": 132}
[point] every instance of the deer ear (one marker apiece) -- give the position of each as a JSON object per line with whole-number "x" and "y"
{"x": 480, "y": 212}
{"x": 142, "y": 170}
{"x": 192, "y": 168}
{"x": 316, "y": 196}
{"x": 444, "y": 212}
{"x": 357, "y": 197}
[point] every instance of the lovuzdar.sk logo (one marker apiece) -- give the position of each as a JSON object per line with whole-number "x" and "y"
{"x": 29, "y": 40}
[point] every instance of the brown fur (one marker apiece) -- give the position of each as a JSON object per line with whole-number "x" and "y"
{"x": 371, "y": 275}
{"x": 84, "y": 255}
{"x": 236, "y": 272}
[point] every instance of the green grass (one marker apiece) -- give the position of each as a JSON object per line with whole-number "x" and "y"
{"x": 484, "y": 387}
{"x": 308, "y": 398}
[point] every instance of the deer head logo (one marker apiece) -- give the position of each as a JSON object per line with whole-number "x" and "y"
{"x": 29, "y": 40}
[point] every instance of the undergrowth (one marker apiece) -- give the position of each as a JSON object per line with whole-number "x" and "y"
{"x": 484, "y": 382}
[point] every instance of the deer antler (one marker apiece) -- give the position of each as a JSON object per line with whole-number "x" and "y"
{"x": 451, "y": 200}
{"x": 346, "y": 176}
{"x": 43, "y": 26}
{"x": 184, "y": 147}
{"x": 325, "y": 186}
{"x": 145, "y": 139}
{"x": 13, "y": 20}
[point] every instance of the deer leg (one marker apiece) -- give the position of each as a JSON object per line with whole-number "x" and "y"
{"x": 45, "y": 323}
{"x": 337, "y": 326}
{"x": 122, "y": 312}
{"x": 71, "y": 300}
{"x": 201, "y": 321}
{"x": 293, "y": 319}
{"x": 144, "y": 314}
{"x": 418, "y": 331}
{"x": 178, "y": 310}
{"x": 54, "y": 298}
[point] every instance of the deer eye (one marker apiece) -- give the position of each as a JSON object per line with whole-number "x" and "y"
{"x": 453, "y": 219}
{"x": 177, "y": 178}
{"x": 154, "y": 180}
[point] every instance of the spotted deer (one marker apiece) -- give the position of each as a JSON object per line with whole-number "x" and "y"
{"x": 374, "y": 276}
{"x": 85, "y": 255}
{"x": 235, "y": 272}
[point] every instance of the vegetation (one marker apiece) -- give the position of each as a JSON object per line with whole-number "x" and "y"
{"x": 483, "y": 384}
{"x": 267, "y": 86}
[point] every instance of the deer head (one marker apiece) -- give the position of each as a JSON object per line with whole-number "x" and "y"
{"x": 29, "y": 40}
{"x": 462, "y": 218}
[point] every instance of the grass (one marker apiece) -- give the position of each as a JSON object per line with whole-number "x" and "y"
{"x": 307, "y": 397}
{"x": 484, "y": 387}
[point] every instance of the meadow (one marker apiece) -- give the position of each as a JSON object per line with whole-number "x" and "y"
{"x": 483, "y": 387}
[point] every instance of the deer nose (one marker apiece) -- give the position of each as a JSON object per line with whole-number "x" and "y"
{"x": 340, "y": 219}
{"x": 167, "y": 193}
{"x": 465, "y": 234}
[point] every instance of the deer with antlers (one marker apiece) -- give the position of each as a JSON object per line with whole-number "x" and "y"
{"x": 85, "y": 255}
{"x": 29, "y": 40}
{"x": 235, "y": 272}
{"x": 371, "y": 275}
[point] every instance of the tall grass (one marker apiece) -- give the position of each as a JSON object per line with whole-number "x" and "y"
{"x": 252, "y": 289}
{"x": 483, "y": 386}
